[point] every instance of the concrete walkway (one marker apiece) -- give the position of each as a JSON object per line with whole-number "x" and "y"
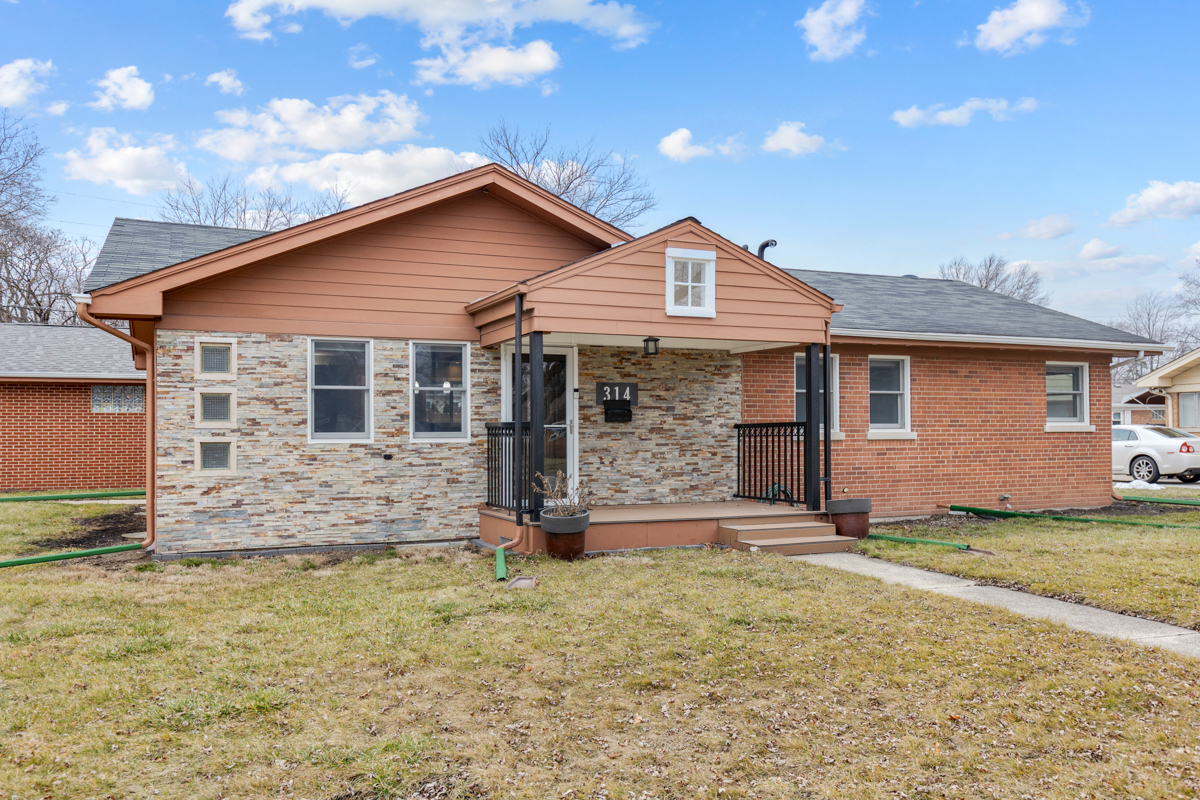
{"x": 1081, "y": 618}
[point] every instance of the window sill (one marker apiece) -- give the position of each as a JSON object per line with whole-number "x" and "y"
{"x": 414, "y": 440}
{"x": 674, "y": 311}
{"x": 894, "y": 435}
{"x": 834, "y": 436}
{"x": 341, "y": 441}
{"x": 1069, "y": 427}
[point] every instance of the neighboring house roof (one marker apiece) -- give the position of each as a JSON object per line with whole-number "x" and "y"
{"x": 137, "y": 246}
{"x": 1165, "y": 375}
{"x": 943, "y": 310}
{"x": 64, "y": 351}
{"x": 1128, "y": 394}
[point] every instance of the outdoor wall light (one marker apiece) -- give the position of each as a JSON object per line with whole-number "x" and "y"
{"x": 650, "y": 346}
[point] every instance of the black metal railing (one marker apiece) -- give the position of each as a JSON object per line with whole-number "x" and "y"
{"x": 770, "y": 461}
{"x": 500, "y": 490}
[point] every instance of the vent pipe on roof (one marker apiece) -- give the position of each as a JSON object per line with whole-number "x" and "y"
{"x": 762, "y": 248}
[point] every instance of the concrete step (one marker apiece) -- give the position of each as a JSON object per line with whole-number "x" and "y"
{"x": 734, "y": 535}
{"x": 803, "y": 545}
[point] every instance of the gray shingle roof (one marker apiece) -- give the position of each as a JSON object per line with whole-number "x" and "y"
{"x": 928, "y": 305}
{"x": 63, "y": 351}
{"x": 137, "y": 246}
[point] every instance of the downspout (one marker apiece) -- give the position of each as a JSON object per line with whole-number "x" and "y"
{"x": 82, "y": 302}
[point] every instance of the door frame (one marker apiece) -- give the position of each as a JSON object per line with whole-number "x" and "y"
{"x": 507, "y": 350}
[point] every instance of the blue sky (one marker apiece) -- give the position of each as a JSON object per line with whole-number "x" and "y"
{"x": 863, "y": 135}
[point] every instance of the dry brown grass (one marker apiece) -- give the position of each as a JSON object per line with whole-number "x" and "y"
{"x": 668, "y": 675}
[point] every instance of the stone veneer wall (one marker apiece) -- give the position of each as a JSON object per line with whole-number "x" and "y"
{"x": 680, "y": 446}
{"x": 290, "y": 492}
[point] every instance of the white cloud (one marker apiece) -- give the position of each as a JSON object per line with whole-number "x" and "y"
{"x": 1074, "y": 268}
{"x": 1098, "y": 248}
{"x": 940, "y": 115}
{"x": 227, "y": 81}
{"x": 678, "y": 146}
{"x": 373, "y": 174}
{"x": 361, "y": 56}
{"x": 57, "y": 109}
{"x": 18, "y": 80}
{"x": 1159, "y": 200}
{"x": 1194, "y": 251}
{"x": 829, "y": 29}
{"x": 116, "y": 159}
{"x": 486, "y": 64}
{"x": 122, "y": 88}
{"x": 1025, "y": 24}
{"x": 291, "y": 128}
{"x": 1051, "y": 227}
{"x": 789, "y": 136}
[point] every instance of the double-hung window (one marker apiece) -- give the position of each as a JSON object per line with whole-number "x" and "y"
{"x": 440, "y": 396}
{"x": 887, "y": 386}
{"x": 1189, "y": 410}
{"x": 691, "y": 282}
{"x": 1066, "y": 397}
{"x": 802, "y": 393}
{"x": 339, "y": 389}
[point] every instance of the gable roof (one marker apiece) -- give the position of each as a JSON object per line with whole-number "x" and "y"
{"x": 938, "y": 309}
{"x": 63, "y": 351}
{"x": 1164, "y": 375}
{"x": 137, "y": 246}
{"x": 133, "y": 272}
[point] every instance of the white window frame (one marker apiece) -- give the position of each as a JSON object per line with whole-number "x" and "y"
{"x": 231, "y": 422}
{"x": 233, "y": 447}
{"x": 369, "y": 438}
{"x": 835, "y": 433}
{"x": 216, "y": 376}
{"x": 465, "y": 436}
{"x": 709, "y": 309}
{"x": 905, "y": 431}
{"x": 1179, "y": 410}
{"x": 1071, "y": 426}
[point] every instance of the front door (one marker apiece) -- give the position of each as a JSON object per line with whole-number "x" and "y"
{"x": 558, "y": 378}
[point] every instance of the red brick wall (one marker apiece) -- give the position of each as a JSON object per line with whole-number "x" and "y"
{"x": 979, "y": 416}
{"x": 50, "y": 439}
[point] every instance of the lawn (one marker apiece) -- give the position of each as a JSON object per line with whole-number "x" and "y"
{"x": 1144, "y": 571}
{"x": 35, "y": 528}
{"x": 688, "y": 673}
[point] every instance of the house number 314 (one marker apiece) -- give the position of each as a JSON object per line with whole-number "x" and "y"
{"x": 609, "y": 392}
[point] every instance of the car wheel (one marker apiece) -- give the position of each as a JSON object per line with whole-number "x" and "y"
{"x": 1189, "y": 478}
{"x": 1143, "y": 468}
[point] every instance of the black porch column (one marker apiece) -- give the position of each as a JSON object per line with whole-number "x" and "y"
{"x": 812, "y": 427}
{"x": 537, "y": 420}
{"x": 518, "y": 414}
{"x": 827, "y": 395}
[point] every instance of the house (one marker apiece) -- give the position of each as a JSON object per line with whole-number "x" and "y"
{"x": 1133, "y": 405}
{"x": 1178, "y": 383}
{"x": 72, "y": 413}
{"x": 354, "y": 380}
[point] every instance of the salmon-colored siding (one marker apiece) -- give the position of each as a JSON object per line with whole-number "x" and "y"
{"x": 407, "y": 277}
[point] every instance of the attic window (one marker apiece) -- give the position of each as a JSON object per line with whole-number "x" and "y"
{"x": 691, "y": 282}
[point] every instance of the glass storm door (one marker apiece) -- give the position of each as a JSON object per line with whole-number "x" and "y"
{"x": 556, "y": 381}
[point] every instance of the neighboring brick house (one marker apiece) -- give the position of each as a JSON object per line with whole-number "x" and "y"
{"x": 1133, "y": 405}
{"x": 350, "y": 381}
{"x": 72, "y": 411}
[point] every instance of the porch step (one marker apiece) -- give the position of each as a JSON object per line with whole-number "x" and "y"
{"x": 804, "y": 545}
{"x": 786, "y": 538}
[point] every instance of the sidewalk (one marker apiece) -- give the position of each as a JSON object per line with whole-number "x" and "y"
{"x": 1081, "y": 618}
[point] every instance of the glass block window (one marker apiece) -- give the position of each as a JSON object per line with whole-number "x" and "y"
{"x": 118, "y": 399}
{"x": 215, "y": 455}
{"x": 216, "y": 407}
{"x": 1158, "y": 415}
{"x": 216, "y": 359}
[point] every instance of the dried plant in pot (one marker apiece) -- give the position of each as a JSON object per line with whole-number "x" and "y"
{"x": 566, "y": 514}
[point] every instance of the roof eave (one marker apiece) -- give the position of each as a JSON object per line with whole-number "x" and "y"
{"x": 1003, "y": 341}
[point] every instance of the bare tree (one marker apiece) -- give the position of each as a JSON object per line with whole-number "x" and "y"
{"x": 228, "y": 203}
{"x": 995, "y": 274}
{"x": 22, "y": 197}
{"x": 601, "y": 183}
{"x": 40, "y": 268}
{"x": 1161, "y": 318}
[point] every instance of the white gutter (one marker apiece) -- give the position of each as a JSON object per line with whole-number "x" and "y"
{"x": 133, "y": 376}
{"x": 967, "y": 338}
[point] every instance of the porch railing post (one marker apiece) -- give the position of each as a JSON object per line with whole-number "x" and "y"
{"x": 827, "y": 395}
{"x": 537, "y": 421}
{"x": 518, "y": 413}
{"x": 812, "y": 417}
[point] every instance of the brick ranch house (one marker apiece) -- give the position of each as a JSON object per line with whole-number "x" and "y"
{"x": 350, "y": 381}
{"x": 72, "y": 411}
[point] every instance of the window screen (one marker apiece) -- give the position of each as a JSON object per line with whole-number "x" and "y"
{"x": 215, "y": 358}
{"x": 886, "y": 389}
{"x": 439, "y": 391}
{"x": 214, "y": 455}
{"x": 340, "y": 390}
{"x": 1064, "y": 392}
{"x": 118, "y": 399}
{"x": 215, "y": 407}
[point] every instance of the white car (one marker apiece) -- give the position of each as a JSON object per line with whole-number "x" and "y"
{"x": 1148, "y": 452}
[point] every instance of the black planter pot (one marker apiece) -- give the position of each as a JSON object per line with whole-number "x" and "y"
{"x": 565, "y": 535}
{"x": 851, "y": 516}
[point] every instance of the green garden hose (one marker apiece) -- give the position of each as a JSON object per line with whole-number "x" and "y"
{"x": 73, "y": 496}
{"x": 1173, "y": 501}
{"x": 98, "y": 551}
